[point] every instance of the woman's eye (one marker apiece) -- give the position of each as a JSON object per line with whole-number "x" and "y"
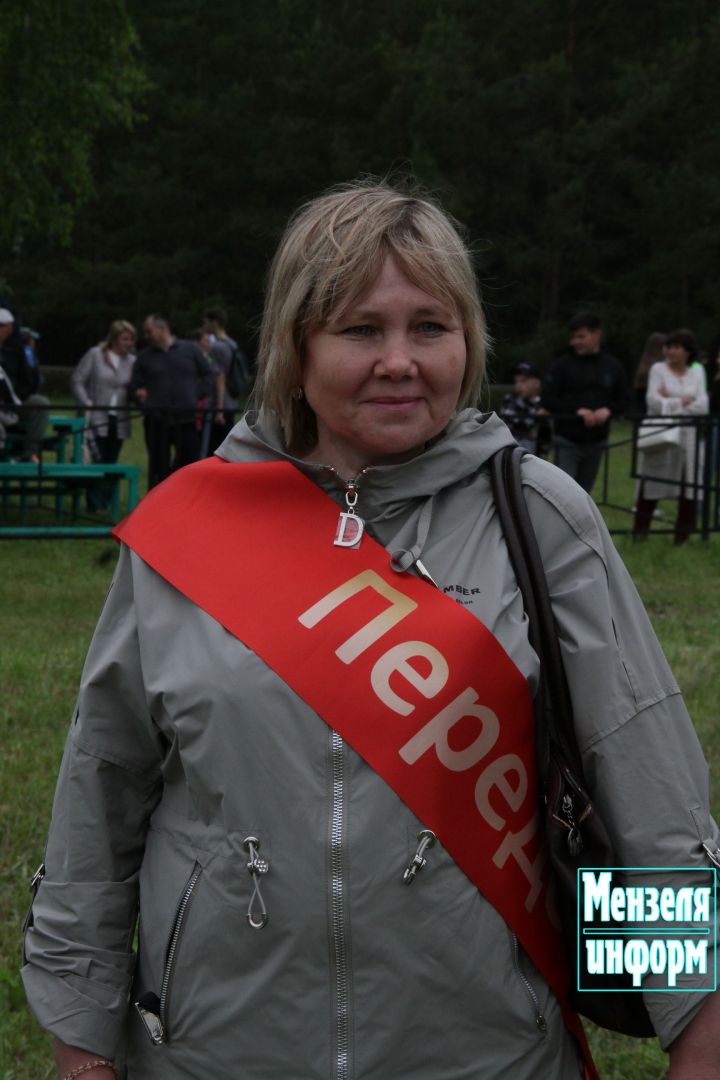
{"x": 430, "y": 328}
{"x": 359, "y": 331}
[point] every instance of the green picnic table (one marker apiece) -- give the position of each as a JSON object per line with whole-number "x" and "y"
{"x": 68, "y": 428}
{"x": 25, "y": 479}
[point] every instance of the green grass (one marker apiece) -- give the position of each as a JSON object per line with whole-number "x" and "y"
{"x": 52, "y": 592}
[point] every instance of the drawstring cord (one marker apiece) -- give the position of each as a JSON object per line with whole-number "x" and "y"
{"x": 403, "y": 559}
{"x": 257, "y": 867}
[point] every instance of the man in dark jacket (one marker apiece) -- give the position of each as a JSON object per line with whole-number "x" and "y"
{"x": 582, "y": 390}
{"x": 170, "y": 376}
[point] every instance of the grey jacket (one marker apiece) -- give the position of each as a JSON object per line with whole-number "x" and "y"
{"x": 184, "y": 744}
{"x": 98, "y": 385}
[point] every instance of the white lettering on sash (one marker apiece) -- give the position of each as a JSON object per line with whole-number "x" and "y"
{"x": 506, "y": 775}
{"x": 511, "y": 846}
{"x": 496, "y": 775}
{"x": 397, "y": 660}
{"x": 400, "y": 606}
{"x": 435, "y": 733}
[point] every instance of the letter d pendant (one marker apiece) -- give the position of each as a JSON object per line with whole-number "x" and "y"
{"x": 349, "y": 530}
{"x": 350, "y": 527}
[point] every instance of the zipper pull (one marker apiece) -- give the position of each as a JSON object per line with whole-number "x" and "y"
{"x": 257, "y": 867}
{"x": 148, "y": 1009}
{"x": 574, "y": 837}
{"x": 427, "y": 840}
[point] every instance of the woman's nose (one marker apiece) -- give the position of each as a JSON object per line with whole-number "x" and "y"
{"x": 396, "y": 359}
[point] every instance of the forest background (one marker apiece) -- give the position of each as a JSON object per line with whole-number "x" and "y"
{"x": 151, "y": 153}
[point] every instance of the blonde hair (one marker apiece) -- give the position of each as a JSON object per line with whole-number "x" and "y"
{"x": 118, "y": 327}
{"x": 331, "y": 252}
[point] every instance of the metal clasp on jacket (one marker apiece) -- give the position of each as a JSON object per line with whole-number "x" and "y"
{"x": 257, "y": 867}
{"x": 427, "y": 840}
{"x": 34, "y": 886}
{"x": 37, "y": 878}
{"x": 713, "y": 853}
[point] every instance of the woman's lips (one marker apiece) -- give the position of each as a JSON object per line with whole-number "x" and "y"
{"x": 394, "y": 403}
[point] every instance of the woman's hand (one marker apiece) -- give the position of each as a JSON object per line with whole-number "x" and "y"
{"x": 688, "y": 400}
{"x": 69, "y": 1058}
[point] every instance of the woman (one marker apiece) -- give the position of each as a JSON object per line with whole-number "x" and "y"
{"x": 676, "y": 387}
{"x": 652, "y": 353}
{"x": 100, "y": 383}
{"x": 213, "y": 774}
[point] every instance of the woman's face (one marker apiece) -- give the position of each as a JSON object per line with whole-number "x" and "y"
{"x": 386, "y": 377}
{"x": 123, "y": 343}
{"x": 677, "y": 355}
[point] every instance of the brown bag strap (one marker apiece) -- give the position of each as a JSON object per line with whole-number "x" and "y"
{"x": 554, "y": 711}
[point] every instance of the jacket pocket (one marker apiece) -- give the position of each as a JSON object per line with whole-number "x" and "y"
{"x": 528, "y": 989}
{"x": 151, "y": 1006}
{"x": 174, "y": 944}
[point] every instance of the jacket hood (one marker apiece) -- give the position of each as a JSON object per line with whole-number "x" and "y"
{"x": 384, "y": 491}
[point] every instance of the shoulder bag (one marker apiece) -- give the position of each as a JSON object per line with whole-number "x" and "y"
{"x": 574, "y": 833}
{"x": 657, "y": 433}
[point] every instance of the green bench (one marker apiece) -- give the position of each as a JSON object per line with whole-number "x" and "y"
{"x": 22, "y": 482}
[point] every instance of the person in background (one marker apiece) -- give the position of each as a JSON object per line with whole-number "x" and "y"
{"x": 676, "y": 387}
{"x": 24, "y": 380}
{"x": 10, "y": 406}
{"x": 208, "y": 415}
{"x": 652, "y": 353}
{"x": 522, "y": 412}
{"x": 100, "y": 384}
{"x": 30, "y": 339}
{"x": 169, "y": 378}
{"x": 223, "y": 348}
{"x": 582, "y": 390}
{"x": 713, "y": 374}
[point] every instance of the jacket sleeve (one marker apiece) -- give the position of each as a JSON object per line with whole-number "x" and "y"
{"x": 78, "y": 947}
{"x": 138, "y": 378}
{"x": 701, "y": 405}
{"x": 80, "y": 379}
{"x": 653, "y": 399}
{"x": 642, "y": 759}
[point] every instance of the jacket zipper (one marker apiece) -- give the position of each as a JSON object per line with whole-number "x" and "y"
{"x": 173, "y": 946}
{"x": 540, "y": 1021}
{"x": 337, "y": 910}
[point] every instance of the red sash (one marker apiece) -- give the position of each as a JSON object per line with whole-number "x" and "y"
{"x": 409, "y": 678}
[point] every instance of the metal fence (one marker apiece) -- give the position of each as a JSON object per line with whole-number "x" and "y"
{"x": 700, "y": 481}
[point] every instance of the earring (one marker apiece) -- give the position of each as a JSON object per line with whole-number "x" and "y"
{"x": 297, "y": 393}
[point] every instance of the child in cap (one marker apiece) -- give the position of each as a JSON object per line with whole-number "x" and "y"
{"x": 521, "y": 410}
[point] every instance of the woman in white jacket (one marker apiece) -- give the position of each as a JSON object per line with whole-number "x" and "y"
{"x": 100, "y": 383}
{"x": 676, "y": 387}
